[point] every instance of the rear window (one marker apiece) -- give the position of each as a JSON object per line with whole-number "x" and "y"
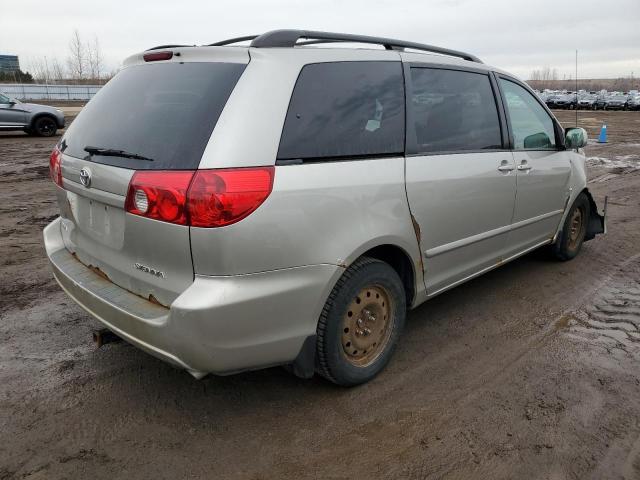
{"x": 165, "y": 112}
{"x": 345, "y": 109}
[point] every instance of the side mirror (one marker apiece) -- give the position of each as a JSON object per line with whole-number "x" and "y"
{"x": 575, "y": 137}
{"x": 11, "y": 103}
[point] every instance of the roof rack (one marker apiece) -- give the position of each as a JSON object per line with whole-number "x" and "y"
{"x": 289, "y": 38}
{"x": 232, "y": 40}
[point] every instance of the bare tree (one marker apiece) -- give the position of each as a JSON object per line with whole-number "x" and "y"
{"x": 39, "y": 69}
{"x": 57, "y": 71}
{"x": 95, "y": 60}
{"x": 77, "y": 58}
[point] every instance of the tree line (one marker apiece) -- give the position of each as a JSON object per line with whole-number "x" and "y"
{"x": 548, "y": 77}
{"x": 83, "y": 64}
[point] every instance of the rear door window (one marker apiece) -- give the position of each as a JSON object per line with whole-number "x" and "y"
{"x": 454, "y": 111}
{"x": 165, "y": 112}
{"x": 345, "y": 109}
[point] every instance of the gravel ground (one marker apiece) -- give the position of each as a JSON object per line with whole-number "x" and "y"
{"x": 531, "y": 371}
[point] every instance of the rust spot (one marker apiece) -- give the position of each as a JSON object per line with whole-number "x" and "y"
{"x": 98, "y": 272}
{"x": 153, "y": 299}
{"x": 417, "y": 231}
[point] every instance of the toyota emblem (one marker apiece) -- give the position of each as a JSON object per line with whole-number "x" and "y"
{"x": 85, "y": 177}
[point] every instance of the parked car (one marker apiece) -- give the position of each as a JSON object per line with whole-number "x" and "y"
{"x": 587, "y": 102}
{"x": 633, "y": 103}
{"x": 31, "y": 118}
{"x": 551, "y": 99}
{"x": 272, "y": 205}
{"x": 601, "y": 101}
{"x": 566, "y": 101}
{"x": 616, "y": 102}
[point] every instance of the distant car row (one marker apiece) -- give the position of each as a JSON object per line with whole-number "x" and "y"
{"x": 602, "y": 100}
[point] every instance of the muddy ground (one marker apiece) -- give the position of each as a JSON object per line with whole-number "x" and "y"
{"x": 531, "y": 371}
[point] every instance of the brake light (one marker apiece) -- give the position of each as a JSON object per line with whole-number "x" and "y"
{"x": 155, "y": 56}
{"x": 55, "y": 166}
{"x": 222, "y": 197}
{"x": 159, "y": 195}
{"x": 204, "y": 198}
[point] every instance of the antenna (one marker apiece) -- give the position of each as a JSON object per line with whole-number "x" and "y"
{"x": 576, "y": 87}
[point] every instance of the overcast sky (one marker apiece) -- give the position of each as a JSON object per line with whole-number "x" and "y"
{"x": 516, "y": 35}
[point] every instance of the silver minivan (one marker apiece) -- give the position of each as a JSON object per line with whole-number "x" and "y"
{"x": 230, "y": 207}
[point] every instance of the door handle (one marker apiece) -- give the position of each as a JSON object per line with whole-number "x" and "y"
{"x": 524, "y": 167}
{"x": 505, "y": 166}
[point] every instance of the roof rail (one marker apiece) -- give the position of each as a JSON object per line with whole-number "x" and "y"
{"x": 160, "y": 47}
{"x": 289, "y": 38}
{"x": 232, "y": 40}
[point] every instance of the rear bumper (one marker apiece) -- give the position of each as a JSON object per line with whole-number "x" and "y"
{"x": 218, "y": 325}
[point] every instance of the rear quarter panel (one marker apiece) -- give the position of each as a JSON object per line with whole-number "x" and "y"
{"x": 323, "y": 213}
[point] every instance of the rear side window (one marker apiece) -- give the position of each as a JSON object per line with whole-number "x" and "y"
{"x": 531, "y": 125}
{"x": 345, "y": 109}
{"x": 165, "y": 112}
{"x": 454, "y": 111}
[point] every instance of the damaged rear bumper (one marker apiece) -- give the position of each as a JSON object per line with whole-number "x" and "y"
{"x": 219, "y": 325}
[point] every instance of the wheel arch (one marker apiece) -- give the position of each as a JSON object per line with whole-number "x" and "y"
{"x": 404, "y": 257}
{"x": 37, "y": 116}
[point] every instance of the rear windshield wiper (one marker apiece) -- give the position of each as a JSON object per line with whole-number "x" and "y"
{"x": 111, "y": 152}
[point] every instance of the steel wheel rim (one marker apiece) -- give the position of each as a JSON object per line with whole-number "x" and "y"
{"x": 575, "y": 227}
{"x": 367, "y": 325}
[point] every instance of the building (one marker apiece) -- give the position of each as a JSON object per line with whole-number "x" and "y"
{"x": 9, "y": 63}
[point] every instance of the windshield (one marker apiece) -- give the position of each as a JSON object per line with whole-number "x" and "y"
{"x": 162, "y": 112}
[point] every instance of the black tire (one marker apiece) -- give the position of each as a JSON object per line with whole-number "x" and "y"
{"x": 44, "y": 127}
{"x": 365, "y": 278}
{"x": 571, "y": 237}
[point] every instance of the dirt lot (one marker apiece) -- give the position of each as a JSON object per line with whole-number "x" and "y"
{"x": 531, "y": 371}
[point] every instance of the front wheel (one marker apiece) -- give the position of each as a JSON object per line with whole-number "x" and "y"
{"x": 360, "y": 323}
{"x": 574, "y": 229}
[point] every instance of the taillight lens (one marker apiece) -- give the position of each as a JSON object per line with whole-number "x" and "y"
{"x": 55, "y": 166}
{"x": 222, "y": 197}
{"x": 205, "y": 198}
{"x": 155, "y": 56}
{"x": 159, "y": 195}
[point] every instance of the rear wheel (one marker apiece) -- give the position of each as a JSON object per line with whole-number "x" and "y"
{"x": 44, "y": 127}
{"x": 571, "y": 238}
{"x": 360, "y": 323}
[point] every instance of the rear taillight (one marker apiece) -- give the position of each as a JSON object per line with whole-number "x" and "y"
{"x": 159, "y": 195}
{"x": 55, "y": 166}
{"x": 205, "y": 198}
{"x": 222, "y": 197}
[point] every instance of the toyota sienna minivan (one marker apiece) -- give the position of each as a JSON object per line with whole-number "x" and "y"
{"x": 228, "y": 207}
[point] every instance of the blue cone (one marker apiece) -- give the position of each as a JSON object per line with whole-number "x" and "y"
{"x": 603, "y": 134}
